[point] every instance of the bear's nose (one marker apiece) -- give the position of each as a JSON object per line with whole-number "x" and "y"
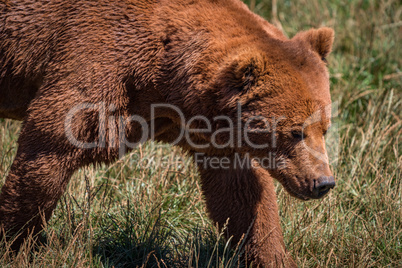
{"x": 322, "y": 185}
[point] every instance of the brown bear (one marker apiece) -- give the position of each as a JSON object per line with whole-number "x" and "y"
{"x": 90, "y": 80}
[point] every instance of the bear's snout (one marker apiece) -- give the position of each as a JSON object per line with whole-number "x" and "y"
{"x": 322, "y": 185}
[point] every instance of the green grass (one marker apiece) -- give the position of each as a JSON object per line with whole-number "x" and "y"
{"x": 130, "y": 214}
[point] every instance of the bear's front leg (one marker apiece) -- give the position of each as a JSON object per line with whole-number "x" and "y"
{"x": 29, "y": 195}
{"x": 44, "y": 163}
{"x": 246, "y": 196}
{"x": 38, "y": 177}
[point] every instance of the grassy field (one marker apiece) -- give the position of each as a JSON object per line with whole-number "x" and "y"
{"x": 133, "y": 214}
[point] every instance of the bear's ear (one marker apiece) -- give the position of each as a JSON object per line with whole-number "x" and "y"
{"x": 248, "y": 74}
{"x": 320, "y": 40}
{"x": 244, "y": 73}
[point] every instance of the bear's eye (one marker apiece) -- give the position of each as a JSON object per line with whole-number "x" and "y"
{"x": 324, "y": 60}
{"x": 297, "y": 134}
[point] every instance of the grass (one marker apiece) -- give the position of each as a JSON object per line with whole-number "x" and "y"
{"x": 132, "y": 214}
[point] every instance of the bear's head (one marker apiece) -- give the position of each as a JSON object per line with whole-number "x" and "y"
{"x": 280, "y": 92}
{"x": 255, "y": 95}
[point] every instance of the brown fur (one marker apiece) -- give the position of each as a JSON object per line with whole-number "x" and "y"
{"x": 202, "y": 56}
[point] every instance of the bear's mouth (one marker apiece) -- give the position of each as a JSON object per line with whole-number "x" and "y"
{"x": 294, "y": 192}
{"x": 303, "y": 195}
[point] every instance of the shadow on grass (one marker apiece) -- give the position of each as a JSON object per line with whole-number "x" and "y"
{"x": 128, "y": 243}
